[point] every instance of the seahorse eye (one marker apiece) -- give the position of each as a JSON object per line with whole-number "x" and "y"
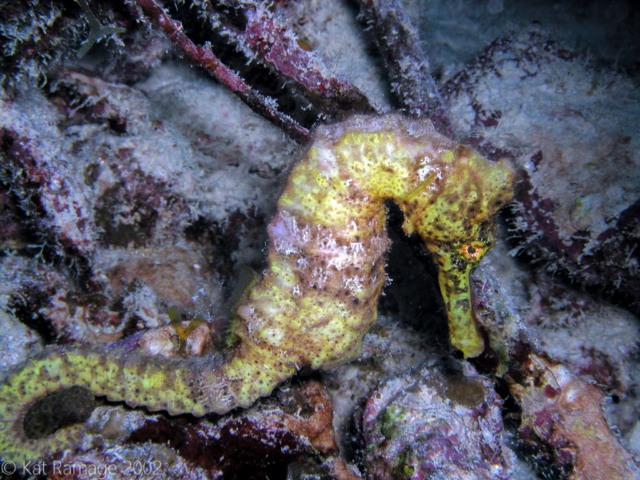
{"x": 473, "y": 251}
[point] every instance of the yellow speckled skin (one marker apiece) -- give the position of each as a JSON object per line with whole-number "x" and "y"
{"x": 319, "y": 295}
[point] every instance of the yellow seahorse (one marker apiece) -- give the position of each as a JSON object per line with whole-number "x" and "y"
{"x": 319, "y": 295}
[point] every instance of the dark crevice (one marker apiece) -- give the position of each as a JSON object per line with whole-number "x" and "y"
{"x": 413, "y": 294}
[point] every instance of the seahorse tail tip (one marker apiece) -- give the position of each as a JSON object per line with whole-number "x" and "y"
{"x": 21, "y": 438}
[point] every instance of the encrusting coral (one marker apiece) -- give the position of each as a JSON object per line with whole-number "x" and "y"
{"x": 440, "y": 421}
{"x": 319, "y": 295}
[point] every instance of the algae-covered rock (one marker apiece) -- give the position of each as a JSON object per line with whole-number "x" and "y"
{"x": 436, "y": 422}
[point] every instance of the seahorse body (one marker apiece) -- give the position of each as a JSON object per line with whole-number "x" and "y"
{"x": 319, "y": 295}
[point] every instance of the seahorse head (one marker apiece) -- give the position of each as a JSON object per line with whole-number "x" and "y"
{"x": 453, "y": 212}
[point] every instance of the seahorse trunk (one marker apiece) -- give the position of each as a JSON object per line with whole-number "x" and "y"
{"x": 319, "y": 294}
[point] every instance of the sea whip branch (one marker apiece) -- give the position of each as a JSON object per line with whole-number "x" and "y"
{"x": 406, "y": 62}
{"x": 203, "y": 56}
{"x": 272, "y": 43}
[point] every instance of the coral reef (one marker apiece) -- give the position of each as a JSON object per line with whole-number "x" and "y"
{"x": 326, "y": 270}
{"x": 566, "y": 413}
{"x": 38, "y": 35}
{"x": 437, "y": 421}
{"x": 17, "y": 340}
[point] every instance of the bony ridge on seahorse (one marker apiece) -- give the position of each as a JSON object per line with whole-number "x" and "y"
{"x": 319, "y": 295}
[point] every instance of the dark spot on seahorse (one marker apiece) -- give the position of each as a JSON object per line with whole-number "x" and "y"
{"x": 58, "y": 409}
{"x": 452, "y": 199}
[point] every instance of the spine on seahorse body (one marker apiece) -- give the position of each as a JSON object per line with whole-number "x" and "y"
{"x": 319, "y": 294}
